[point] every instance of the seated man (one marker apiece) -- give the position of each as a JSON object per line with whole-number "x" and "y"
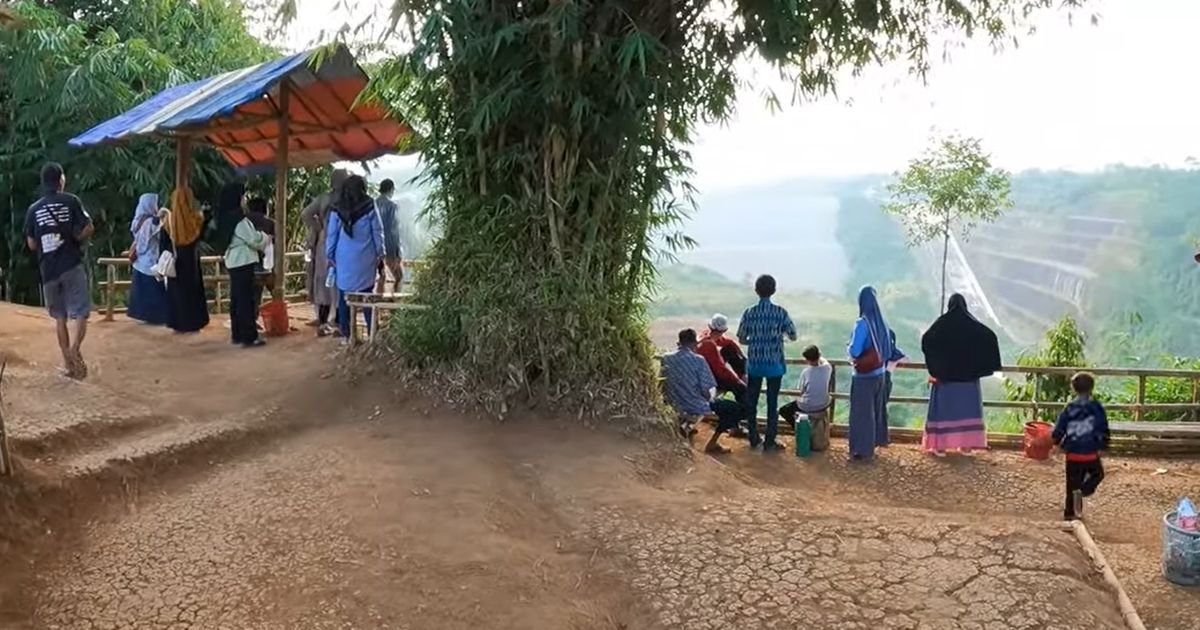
{"x": 691, "y": 390}
{"x": 724, "y": 357}
{"x": 727, "y": 362}
{"x": 814, "y": 398}
{"x": 814, "y": 387}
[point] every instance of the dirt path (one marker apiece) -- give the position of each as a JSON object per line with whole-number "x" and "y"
{"x": 245, "y": 490}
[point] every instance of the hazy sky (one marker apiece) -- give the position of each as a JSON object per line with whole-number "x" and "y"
{"x": 1077, "y": 97}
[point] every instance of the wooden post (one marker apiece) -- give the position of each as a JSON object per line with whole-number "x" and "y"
{"x": 183, "y": 160}
{"x": 832, "y": 391}
{"x": 1037, "y": 393}
{"x": 109, "y": 289}
{"x": 1141, "y": 398}
{"x": 1195, "y": 396}
{"x": 281, "y": 191}
{"x": 217, "y": 295}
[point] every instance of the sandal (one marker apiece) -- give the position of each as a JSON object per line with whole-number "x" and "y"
{"x": 717, "y": 449}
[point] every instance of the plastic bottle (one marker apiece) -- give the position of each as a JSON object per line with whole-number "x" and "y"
{"x": 1185, "y": 515}
{"x": 330, "y": 279}
{"x": 803, "y": 437}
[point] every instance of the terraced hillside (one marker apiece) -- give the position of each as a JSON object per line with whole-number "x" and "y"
{"x": 1113, "y": 249}
{"x": 1036, "y": 268}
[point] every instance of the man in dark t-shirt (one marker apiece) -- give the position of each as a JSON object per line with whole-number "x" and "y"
{"x": 56, "y": 228}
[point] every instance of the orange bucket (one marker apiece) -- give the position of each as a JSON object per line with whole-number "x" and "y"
{"x": 275, "y": 318}
{"x": 1037, "y": 440}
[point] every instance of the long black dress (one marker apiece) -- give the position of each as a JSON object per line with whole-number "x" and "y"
{"x": 185, "y": 292}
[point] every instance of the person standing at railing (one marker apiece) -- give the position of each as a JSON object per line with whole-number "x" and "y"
{"x": 393, "y": 257}
{"x": 871, "y": 347}
{"x": 181, "y": 233}
{"x": 959, "y": 350}
{"x": 256, "y": 211}
{"x": 762, "y": 329}
{"x": 316, "y": 217}
{"x": 147, "y": 296}
{"x": 244, "y": 253}
{"x": 354, "y": 246}
{"x": 56, "y": 228}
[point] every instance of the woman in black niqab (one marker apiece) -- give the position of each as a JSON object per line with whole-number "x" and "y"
{"x": 959, "y": 350}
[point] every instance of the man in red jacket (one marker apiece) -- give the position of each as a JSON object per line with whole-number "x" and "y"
{"x": 724, "y": 357}
{"x": 728, "y": 364}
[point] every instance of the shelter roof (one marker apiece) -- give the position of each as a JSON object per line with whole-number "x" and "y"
{"x": 239, "y": 113}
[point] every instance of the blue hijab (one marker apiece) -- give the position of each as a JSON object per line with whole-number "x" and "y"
{"x": 147, "y": 210}
{"x": 882, "y": 336}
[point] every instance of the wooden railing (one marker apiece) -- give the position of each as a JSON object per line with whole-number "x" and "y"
{"x": 1035, "y": 406}
{"x": 1147, "y": 438}
{"x": 117, "y": 279}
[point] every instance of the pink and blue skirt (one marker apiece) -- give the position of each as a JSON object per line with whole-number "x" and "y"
{"x": 955, "y": 419}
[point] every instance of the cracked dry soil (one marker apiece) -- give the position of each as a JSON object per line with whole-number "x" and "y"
{"x": 369, "y": 508}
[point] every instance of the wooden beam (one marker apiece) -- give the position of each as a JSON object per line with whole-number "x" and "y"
{"x": 183, "y": 163}
{"x": 281, "y": 191}
{"x": 235, "y": 124}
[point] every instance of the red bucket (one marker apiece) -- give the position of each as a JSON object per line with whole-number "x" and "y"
{"x": 275, "y": 319}
{"x": 1037, "y": 440}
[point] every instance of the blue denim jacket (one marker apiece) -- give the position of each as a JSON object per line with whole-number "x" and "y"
{"x": 355, "y": 259}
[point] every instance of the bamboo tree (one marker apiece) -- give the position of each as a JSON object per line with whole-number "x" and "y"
{"x": 554, "y": 134}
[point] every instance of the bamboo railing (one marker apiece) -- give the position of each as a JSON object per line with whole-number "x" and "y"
{"x": 1146, "y": 438}
{"x": 117, "y": 280}
{"x": 1036, "y": 406}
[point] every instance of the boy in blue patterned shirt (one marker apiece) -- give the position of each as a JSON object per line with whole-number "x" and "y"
{"x": 762, "y": 330}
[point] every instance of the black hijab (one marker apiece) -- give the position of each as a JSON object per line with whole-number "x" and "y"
{"x": 958, "y": 348}
{"x": 256, "y": 211}
{"x": 353, "y": 202}
{"x": 229, "y": 213}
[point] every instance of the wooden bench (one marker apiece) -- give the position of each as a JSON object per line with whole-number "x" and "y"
{"x": 376, "y": 303}
{"x": 1158, "y": 430}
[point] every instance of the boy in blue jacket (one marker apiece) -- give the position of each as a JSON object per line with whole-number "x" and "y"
{"x": 1081, "y": 432}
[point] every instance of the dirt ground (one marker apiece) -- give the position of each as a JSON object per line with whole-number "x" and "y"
{"x": 192, "y": 484}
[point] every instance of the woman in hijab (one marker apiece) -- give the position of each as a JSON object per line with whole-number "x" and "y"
{"x": 147, "y": 296}
{"x": 959, "y": 350}
{"x": 316, "y": 217}
{"x": 354, "y": 246}
{"x": 241, "y": 257}
{"x": 185, "y": 292}
{"x": 872, "y": 346}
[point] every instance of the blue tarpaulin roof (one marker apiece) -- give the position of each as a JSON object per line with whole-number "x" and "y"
{"x": 238, "y": 113}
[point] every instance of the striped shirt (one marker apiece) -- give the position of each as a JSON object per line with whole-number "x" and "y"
{"x": 689, "y": 382}
{"x": 762, "y": 330}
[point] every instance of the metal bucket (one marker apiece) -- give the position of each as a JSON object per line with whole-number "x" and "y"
{"x": 1181, "y": 553}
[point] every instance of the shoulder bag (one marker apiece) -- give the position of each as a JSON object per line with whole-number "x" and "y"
{"x": 870, "y": 360}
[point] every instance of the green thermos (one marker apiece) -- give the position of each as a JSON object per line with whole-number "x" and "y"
{"x": 803, "y": 437}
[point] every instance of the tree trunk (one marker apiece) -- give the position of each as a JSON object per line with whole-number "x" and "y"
{"x": 945, "y": 256}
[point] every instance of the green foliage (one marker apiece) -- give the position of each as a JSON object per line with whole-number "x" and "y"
{"x": 1144, "y": 302}
{"x": 1158, "y": 391}
{"x": 1063, "y": 347}
{"x": 70, "y": 65}
{"x": 949, "y": 189}
{"x": 554, "y": 136}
